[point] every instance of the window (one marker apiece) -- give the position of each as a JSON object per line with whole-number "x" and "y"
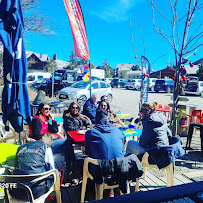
{"x": 31, "y": 78}
{"x": 201, "y": 84}
{"x": 153, "y": 80}
{"x": 95, "y": 85}
{"x": 103, "y": 85}
{"x": 108, "y": 86}
{"x": 39, "y": 76}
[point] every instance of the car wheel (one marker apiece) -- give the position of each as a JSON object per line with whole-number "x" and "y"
{"x": 110, "y": 97}
{"x": 82, "y": 99}
{"x": 152, "y": 88}
{"x": 56, "y": 93}
{"x": 168, "y": 90}
{"x": 127, "y": 88}
{"x": 156, "y": 91}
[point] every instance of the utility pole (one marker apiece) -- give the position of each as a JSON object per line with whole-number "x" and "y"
{"x": 54, "y": 58}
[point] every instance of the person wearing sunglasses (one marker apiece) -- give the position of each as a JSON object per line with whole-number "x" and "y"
{"x": 73, "y": 120}
{"x": 112, "y": 116}
{"x": 155, "y": 131}
{"x": 40, "y": 122}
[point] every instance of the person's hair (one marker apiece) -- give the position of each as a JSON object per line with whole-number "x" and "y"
{"x": 40, "y": 107}
{"x": 70, "y": 107}
{"x": 149, "y": 107}
{"x": 102, "y": 97}
{"x": 94, "y": 95}
{"x": 108, "y": 105}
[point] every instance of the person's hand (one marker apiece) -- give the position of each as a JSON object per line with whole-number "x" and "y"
{"x": 50, "y": 116}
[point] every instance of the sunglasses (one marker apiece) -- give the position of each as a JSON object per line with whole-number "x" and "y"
{"x": 47, "y": 109}
{"x": 75, "y": 107}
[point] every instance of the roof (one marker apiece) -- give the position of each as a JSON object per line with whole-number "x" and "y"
{"x": 41, "y": 57}
{"x": 198, "y": 61}
{"x": 192, "y": 70}
{"x": 125, "y": 66}
{"x": 62, "y": 64}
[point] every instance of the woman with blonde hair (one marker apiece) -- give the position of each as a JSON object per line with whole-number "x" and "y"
{"x": 73, "y": 120}
{"x": 155, "y": 130}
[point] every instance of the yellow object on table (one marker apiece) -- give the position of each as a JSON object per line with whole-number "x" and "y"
{"x": 7, "y": 151}
{"x": 122, "y": 115}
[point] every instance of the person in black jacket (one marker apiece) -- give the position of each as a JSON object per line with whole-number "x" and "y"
{"x": 73, "y": 120}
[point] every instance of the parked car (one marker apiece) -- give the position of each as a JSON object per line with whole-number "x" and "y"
{"x": 194, "y": 87}
{"x": 39, "y": 83}
{"x": 152, "y": 83}
{"x": 80, "y": 91}
{"x": 33, "y": 77}
{"x": 108, "y": 80}
{"x": 118, "y": 82}
{"x": 133, "y": 84}
{"x": 166, "y": 85}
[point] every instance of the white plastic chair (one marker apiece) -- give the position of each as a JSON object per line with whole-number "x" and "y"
{"x": 168, "y": 169}
{"x": 99, "y": 187}
{"x": 32, "y": 178}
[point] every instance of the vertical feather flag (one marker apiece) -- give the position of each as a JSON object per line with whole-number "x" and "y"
{"x": 85, "y": 72}
{"x": 78, "y": 28}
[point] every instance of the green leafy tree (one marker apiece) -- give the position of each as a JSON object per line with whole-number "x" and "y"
{"x": 109, "y": 71}
{"x": 49, "y": 66}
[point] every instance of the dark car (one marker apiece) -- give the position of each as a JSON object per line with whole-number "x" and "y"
{"x": 118, "y": 82}
{"x": 166, "y": 85}
{"x": 40, "y": 84}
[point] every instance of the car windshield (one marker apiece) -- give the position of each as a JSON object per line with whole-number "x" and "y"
{"x": 81, "y": 84}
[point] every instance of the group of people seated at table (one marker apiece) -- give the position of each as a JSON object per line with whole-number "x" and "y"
{"x": 103, "y": 141}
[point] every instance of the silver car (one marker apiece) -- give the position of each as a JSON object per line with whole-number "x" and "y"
{"x": 80, "y": 91}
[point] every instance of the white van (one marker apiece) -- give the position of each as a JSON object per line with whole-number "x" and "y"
{"x": 32, "y": 77}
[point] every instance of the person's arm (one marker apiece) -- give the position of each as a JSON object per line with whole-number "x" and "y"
{"x": 36, "y": 128}
{"x": 53, "y": 128}
{"x": 49, "y": 158}
{"x": 86, "y": 123}
{"x": 88, "y": 111}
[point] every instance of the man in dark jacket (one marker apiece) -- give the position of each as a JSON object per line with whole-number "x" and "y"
{"x": 104, "y": 141}
{"x": 34, "y": 158}
{"x": 90, "y": 107}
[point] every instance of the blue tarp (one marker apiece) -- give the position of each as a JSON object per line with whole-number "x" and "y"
{"x": 15, "y": 99}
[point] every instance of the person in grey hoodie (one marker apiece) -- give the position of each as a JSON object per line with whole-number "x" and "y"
{"x": 155, "y": 130}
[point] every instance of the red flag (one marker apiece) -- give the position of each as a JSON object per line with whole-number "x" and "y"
{"x": 78, "y": 28}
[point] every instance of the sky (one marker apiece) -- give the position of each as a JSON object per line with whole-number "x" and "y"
{"x": 109, "y": 34}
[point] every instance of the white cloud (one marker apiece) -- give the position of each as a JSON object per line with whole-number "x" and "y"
{"x": 116, "y": 10}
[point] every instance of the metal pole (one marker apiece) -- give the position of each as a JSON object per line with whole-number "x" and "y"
{"x": 54, "y": 58}
{"x": 90, "y": 79}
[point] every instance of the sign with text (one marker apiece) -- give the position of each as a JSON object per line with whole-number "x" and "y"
{"x": 145, "y": 79}
{"x": 78, "y": 28}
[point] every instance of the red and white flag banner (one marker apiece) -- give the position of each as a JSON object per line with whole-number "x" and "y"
{"x": 78, "y": 28}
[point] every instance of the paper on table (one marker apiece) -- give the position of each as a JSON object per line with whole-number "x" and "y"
{"x": 81, "y": 132}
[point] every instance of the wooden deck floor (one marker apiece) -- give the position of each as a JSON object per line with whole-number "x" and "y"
{"x": 154, "y": 180}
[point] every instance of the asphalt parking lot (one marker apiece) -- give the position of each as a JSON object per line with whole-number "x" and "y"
{"x": 127, "y": 101}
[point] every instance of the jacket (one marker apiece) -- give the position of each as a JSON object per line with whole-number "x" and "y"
{"x": 73, "y": 122}
{"x": 155, "y": 131}
{"x": 39, "y": 125}
{"x": 89, "y": 109}
{"x": 104, "y": 141}
{"x": 165, "y": 155}
{"x": 114, "y": 119}
{"x": 119, "y": 171}
{"x": 31, "y": 158}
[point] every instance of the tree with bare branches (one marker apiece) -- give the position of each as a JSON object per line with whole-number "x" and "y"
{"x": 183, "y": 42}
{"x": 35, "y": 20}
